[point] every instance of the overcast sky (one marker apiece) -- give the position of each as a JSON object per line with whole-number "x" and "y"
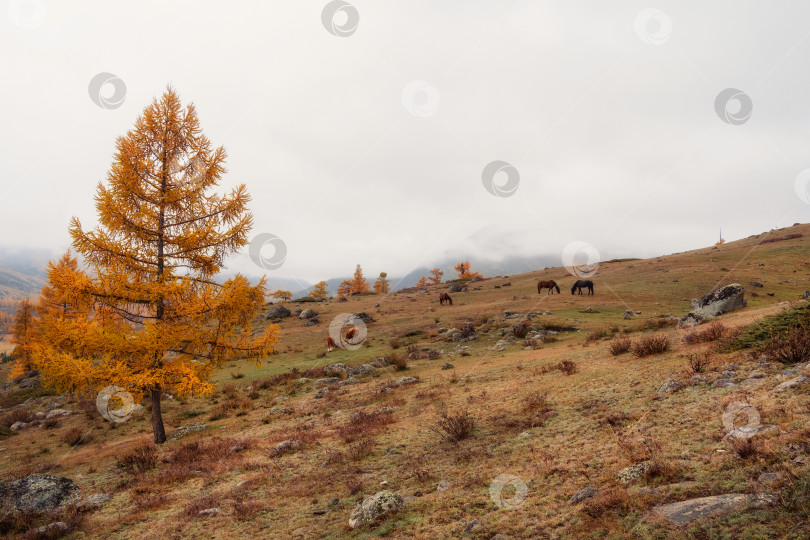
{"x": 367, "y": 143}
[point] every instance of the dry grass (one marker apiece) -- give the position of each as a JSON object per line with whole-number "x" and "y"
{"x": 568, "y": 367}
{"x": 620, "y": 346}
{"x": 455, "y": 427}
{"x": 141, "y": 458}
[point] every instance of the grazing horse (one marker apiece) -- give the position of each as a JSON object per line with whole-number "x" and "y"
{"x": 445, "y": 297}
{"x": 586, "y": 283}
{"x": 330, "y": 344}
{"x": 350, "y": 334}
{"x": 550, "y": 285}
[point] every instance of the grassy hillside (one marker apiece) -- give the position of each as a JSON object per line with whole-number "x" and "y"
{"x": 560, "y": 413}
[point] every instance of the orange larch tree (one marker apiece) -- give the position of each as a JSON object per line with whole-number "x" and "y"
{"x": 422, "y": 283}
{"x": 149, "y": 316}
{"x": 320, "y": 291}
{"x": 359, "y": 283}
{"x": 381, "y": 285}
{"x": 463, "y": 269}
{"x": 344, "y": 289}
{"x": 23, "y": 331}
{"x": 284, "y": 295}
{"x": 436, "y": 276}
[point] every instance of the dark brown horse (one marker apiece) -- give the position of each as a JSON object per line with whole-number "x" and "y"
{"x": 550, "y": 285}
{"x": 445, "y": 297}
{"x": 583, "y": 283}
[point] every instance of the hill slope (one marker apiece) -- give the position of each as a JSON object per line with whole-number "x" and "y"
{"x": 556, "y": 414}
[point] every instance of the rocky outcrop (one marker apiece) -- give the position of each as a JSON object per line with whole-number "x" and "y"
{"x": 37, "y": 493}
{"x": 375, "y": 507}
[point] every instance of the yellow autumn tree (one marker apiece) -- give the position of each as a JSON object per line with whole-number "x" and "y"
{"x": 382, "y": 286}
{"x": 23, "y": 331}
{"x": 359, "y": 283}
{"x": 422, "y": 283}
{"x": 463, "y": 269}
{"x": 344, "y": 289}
{"x": 436, "y": 276}
{"x": 148, "y": 315}
{"x": 284, "y": 295}
{"x": 320, "y": 291}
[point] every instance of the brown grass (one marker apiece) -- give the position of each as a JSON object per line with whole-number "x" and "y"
{"x": 567, "y": 367}
{"x": 141, "y": 458}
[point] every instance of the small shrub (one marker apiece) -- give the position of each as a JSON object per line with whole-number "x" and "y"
{"x": 620, "y": 346}
{"x": 597, "y": 335}
{"x": 354, "y": 485}
{"x": 658, "y": 323}
{"x": 520, "y": 329}
{"x": 16, "y": 416}
{"x": 745, "y": 448}
{"x": 76, "y": 436}
{"x": 141, "y": 458}
{"x": 237, "y": 375}
{"x": 792, "y": 347}
{"x": 455, "y": 427}
{"x": 568, "y": 367}
{"x": 399, "y": 361}
{"x": 395, "y": 343}
{"x": 361, "y": 449}
{"x": 612, "y": 499}
{"x": 647, "y": 345}
{"x": 698, "y": 363}
{"x": 50, "y": 423}
{"x": 712, "y": 332}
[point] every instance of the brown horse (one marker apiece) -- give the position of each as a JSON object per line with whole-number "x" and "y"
{"x": 445, "y": 297}
{"x": 330, "y": 344}
{"x": 350, "y": 334}
{"x": 550, "y": 285}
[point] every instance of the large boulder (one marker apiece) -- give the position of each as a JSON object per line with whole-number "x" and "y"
{"x": 362, "y": 316}
{"x": 720, "y": 301}
{"x": 278, "y": 312}
{"x": 37, "y": 493}
{"x": 308, "y": 314}
{"x": 375, "y": 507}
{"x": 685, "y": 512}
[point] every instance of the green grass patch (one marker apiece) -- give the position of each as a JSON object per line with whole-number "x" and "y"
{"x": 757, "y": 335}
{"x": 5, "y": 433}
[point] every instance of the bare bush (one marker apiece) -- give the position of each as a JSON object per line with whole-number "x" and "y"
{"x": 647, "y": 345}
{"x": 455, "y": 427}
{"x": 620, "y": 346}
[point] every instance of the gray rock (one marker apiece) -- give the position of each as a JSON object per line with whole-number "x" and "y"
{"x": 288, "y": 446}
{"x": 447, "y": 365}
{"x": 363, "y": 370}
{"x": 29, "y": 383}
{"x": 280, "y": 410}
{"x": 362, "y": 316}
{"x": 53, "y": 530}
{"x": 583, "y": 494}
{"x": 326, "y": 381}
{"x": 209, "y": 512}
{"x": 720, "y": 301}
{"x": 186, "y": 430}
{"x": 443, "y": 486}
{"x": 633, "y": 472}
{"x": 792, "y": 383}
{"x": 278, "y": 312}
{"x": 405, "y": 381}
{"x": 472, "y": 525}
{"x": 335, "y": 370}
{"x": 96, "y": 501}
{"x": 348, "y": 381}
{"x": 746, "y": 432}
{"x": 689, "y": 320}
{"x": 322, "y": 393}
{"x": 769, "y": 478}
{"x": 375, "y": 507}
{"x": 685, "y": 512}
{"x": 57, "y": 412}
{"x": 455, "y": 287}
{"x": 724, "y": 383}
{"x": 380, "y": 362}
{"x": 37, "y": 493}
{"x": 308, "y": 314}
{"x": 18, "y": 426}
{"x": 700, "y": 379}
{"x": 669, "y": 386}
{"x": 756, "y": 375}
{"x": 39, "y": 415}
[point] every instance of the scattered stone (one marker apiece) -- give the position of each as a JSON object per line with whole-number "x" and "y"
{"x": 380, "y": 362}
{"x": 472, "y": 525}
{"x": 186, "y": 430}
{"x": 746, "y": 432}
{"x": 689, "y": 320}
{"x": 308, "y": 314}
{"x": 348, "y": 381}
{"x": 312, "y": 322}
{"x": 589, "y": 310}
{"x": 53, "y": 530}
{"x": 375, "y": 507}
{"x": 278, "y": 312}
{"x": 37, "y": 493}
{"x": 285, "y": 447}
{"x": 17, "y": 426}
{"x": 455, "y": 287}
{"x": 756, "y": 375}
{"x": 792, "y": 383}
{"x": 443, "y": 486}
{"x": 326, "y": 381}
{"x": 700, "y": 379}
{"x": 755, "y": 284}
{"x": 95, "y": 501}
{"x": 235, "y": 449}
{"x": 209, "y": 512}
{"x": 280, "y": 410}
{"x": 724, "y": 383}
{"x": 335, "y": 370}
{"x": 321, "y": 393}
{"x": 628, "y": 314}
{"x": 29, "y": 383}
{"x": 39, "y": 415}
{"x": 447, "y": 365}
{"x": 685, "y": 512}
{"x": 405, "y": 381}
{"x": 669, "y": 386}
{"x": 57, "y": 412}
{"x": 769, "y": 478}
{"x": 583, "y": 494}
{"x": 363, "y": 370}
{"x": 633, "y": 472}
{"x": 362, "y": 316}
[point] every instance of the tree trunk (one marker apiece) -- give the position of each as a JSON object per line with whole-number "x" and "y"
{"x": 157, "y": 418}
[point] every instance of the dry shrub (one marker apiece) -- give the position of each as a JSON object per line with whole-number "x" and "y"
{"x": 536, "y": 410}
{"x": 362, "y": 423}
{"x": 712, "y": 332}
{"x": 246, "y": 507}
{"x": 745, "y": 448}
{"x": 334, "y": 457}
{"x": 206, "y": 456}
{"x": 520, "y": 329}
{"x": 699, "y": 363}
{"x": 361, "y": 449}
{"x": 193, "y": 509}
{"x": 647, "y": 345}
{"x": 612, "y": 499}
{"x": 568, "y": 367}
{"x": 620, "y": 346}
{"x": 399, "y": 361}
{"x": 602, "y": 333}
{"x": 792, "y": 347}
{"x": 395, "y": 343}
{"x": 141, "y": 458}
{"x": 455, "y": 427}
{"x": 76, "y": 436}
{"x": 658, "y": 323}
{"x": 13, "y": 417}
{"x": 354, "y": 484}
